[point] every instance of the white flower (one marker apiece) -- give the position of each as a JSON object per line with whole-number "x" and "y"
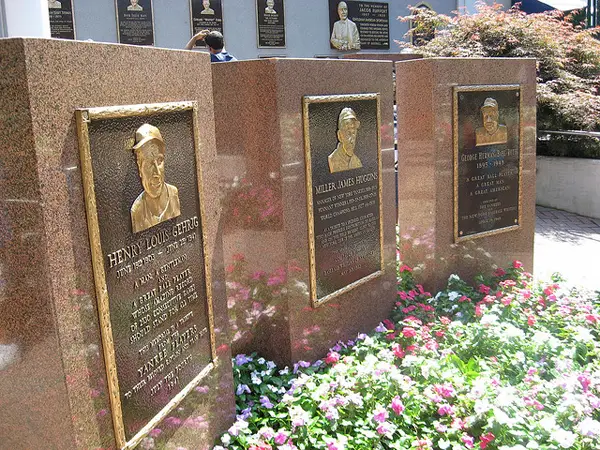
{"x": 443, "y": 444}
{"x": 255, "y": 378}
{"x": 453, "y": 296}
{"x": 226, "y": 439}
{"x": 589, "y": 427}
{"x": 565, "y": 438}
{"x": 489, "y": 319}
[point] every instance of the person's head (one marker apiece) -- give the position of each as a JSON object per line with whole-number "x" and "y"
{"x": 348, "y": 125}
{"x": 133, "y": 2}
{"x": 150, "y": 154}
{"x": 343, "y": 10}
{"x": 206, "y": 4}
{"x": 489, "y": 111}
{"x": 270, "y": 4}
{"x": 214, "y": 40}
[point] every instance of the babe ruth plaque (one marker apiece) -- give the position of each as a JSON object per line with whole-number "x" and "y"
{"x": 144, "y": 210}
{"x": 487, "y": 160}
{"x": 343, "y": 182}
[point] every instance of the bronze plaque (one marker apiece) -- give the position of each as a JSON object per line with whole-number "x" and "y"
{"x": 206, "y": 15}
{"x": 61, "y": 19}
{"x": 152, "y": 276}
{"x": 343, "y": 187}
{"x": 270, "y": 18}
{"x": 359, "y": 25}
{"x": 135, "y": 22}
{"x": 487, "y": 160}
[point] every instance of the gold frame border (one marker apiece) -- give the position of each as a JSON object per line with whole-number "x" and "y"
{"x": 306, "y": 101}
{"x": 483, "y": 88}
{"x": 83, "y": 118}
{"x": 119, "y": 31}
{"x": 258, "y": 33}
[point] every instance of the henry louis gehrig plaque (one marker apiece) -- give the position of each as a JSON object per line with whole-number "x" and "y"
{"x": 343, "y": 187}
{"x": 152, "y": 276}
{"x": 487, "y": 160}
{"x": 206, "y": 15}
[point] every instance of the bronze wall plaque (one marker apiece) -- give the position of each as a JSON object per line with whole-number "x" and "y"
{"x": 356, "y": 25}
{"x": 62, "y": 25}
{"x": 135, "y": 22}
{"x": 206, "y": 15}
{"x": 270, "y": 23}
{"x": 145, "y": 222}
{"x": 487, "y": 160}
{"x": 343, "y": 188}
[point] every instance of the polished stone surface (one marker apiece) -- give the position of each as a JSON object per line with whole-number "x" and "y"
{"x": 53, "y": 391}
{"x": 258, "y": 111}
{"x": 425, "y": 168}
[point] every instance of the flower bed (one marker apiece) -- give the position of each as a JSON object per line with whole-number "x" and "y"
{"x": 502, "y": 365}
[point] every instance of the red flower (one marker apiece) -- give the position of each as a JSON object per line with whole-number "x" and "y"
{"x": 409, "y": 332}
{"x": 531, "y": 321}
{"x": 486, "y": 439}
{"x": 398, "y": 351}
{"x": 405, "y": 268}
{"x": 332, "y": 357}
{"x": 517, "y": 264}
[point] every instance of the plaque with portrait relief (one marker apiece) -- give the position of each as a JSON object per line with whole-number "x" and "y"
{"x": 487, "y": 160}
{"x": 135, "y": 22}
{"x": 270, "y": 18}
{"x": 62, "y": 25}
{"x": 145, "y": 221}
{"x": 343, "y": 188}
{"x": 359, "y": 25}
{"x": 206, "y": 15}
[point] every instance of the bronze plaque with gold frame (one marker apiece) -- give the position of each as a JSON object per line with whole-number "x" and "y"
{"x": 143, "y": 194}
{"x": 344, "y": 192}
{"x": 135, "y": 22}
{"x": 206, "y": 15}
{"x": 62, "y": 23}
{"x": 488, "y": 137}
{"x": 270, "y": 23}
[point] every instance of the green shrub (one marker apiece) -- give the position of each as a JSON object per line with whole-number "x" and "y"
{"x": 568, "y": 56}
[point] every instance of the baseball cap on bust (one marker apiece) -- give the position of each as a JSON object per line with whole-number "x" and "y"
{"x": 347, "y": 114}
{"x": 490, "y": 103}
{"x": 148, "y": 133}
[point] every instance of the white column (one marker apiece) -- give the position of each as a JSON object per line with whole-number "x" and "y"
{"x": 26, "y": 18}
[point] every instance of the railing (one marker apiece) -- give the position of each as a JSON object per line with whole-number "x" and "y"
{"x": 595, "y": 134}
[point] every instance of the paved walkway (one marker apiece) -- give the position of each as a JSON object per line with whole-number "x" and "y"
{"x": 569, "y": 244}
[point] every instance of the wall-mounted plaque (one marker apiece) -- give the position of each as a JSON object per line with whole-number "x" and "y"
{"x": 151, "y": 270}
{"x": 61, "y": 19}
{"x": 135, "y": 22}
{"x": 270, "y": 16}
{"x": 356, "y": 25}
{"x": 343, "y": 187}
{"x": 487, "y": 160}
{"x": 206, "y": 15}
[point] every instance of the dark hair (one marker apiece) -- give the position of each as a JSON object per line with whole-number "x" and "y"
{"x": 214, "y": 40}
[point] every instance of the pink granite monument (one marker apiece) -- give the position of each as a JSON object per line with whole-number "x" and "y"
{"x": 466, "y": 165}
{"x": 308, "y": 201}
{"x": 106, "y": 338}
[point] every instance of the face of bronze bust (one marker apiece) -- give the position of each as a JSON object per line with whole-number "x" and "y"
{"x": 343, "y": 11}
{"x": 270, "y": 4}
{"x": 134, "y": 2}
{"x": 347, "y": 135}
{"x": 151, "y": 165}
{"x": 206, "y": 4}
{"x": 490, "y": 119}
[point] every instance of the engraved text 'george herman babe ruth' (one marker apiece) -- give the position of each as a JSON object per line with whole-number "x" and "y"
{"x": 159, "y": 201}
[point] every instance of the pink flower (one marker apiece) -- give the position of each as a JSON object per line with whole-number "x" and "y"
{"x": 280, "y": 437}
{"x": 517, "y": 264}
{"x": 397, "y": 405}
{"x": 332, "y": 357}
{"x": 398, "y": 351}
{"x": 486, "y": 439}
{"x": 499, "y": 272}
{"x": 380, "y": 415}
{"x": 404, "y": 268}
{"x": 468, "y": 441}
{"x": 484, "y": 289}
{"x": 155, "y": 433}
{"x": 531, "y": 320}
{"x": 446, "y": 410}
{"x": 409, "y": 332}
{"x": 385, "y": 428}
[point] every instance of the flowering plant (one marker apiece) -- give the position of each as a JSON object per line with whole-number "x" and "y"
{"x": 501, "y": 365}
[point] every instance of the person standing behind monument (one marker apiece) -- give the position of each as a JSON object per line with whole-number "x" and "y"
{"x": 214, "y": 42}
{"x": 345, "y": 32}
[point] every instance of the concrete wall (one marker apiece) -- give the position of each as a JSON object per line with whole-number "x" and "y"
{"x": 570, "y": 184}
{"x": 307, "y": 25}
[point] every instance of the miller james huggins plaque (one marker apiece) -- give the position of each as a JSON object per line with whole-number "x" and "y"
{"x": 206, "y": 15}
{"x": 487, "y": 160}
{"x": 343, "y": 176}
{"x": 151, "y": 271}
{"x": 135, "y": 22}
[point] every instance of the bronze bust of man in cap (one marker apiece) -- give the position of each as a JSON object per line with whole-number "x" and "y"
{"x": 491, "y": 132}
{"x": 159, "y": 201}
{"x": 343, "y": 157}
